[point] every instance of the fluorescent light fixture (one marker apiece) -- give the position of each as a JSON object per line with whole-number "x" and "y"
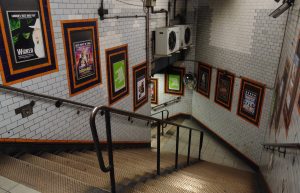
{"x": 280, "y": 10}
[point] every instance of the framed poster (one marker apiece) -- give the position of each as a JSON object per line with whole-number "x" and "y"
{"x": 280, "y": 91}
{"x": 27, "y": 47}
{"x": 224, "y": 89}
{"x": 251, "y": 100}
{"x": 299, "y": 104}
{"x": 204, "y": 79}
{"x": 174, "y": 81}
{"x": 154, "y": 90}
{"x": 82, "y": 54}
{"x": 117, "y": 73}
{"x": 140, "y": 87}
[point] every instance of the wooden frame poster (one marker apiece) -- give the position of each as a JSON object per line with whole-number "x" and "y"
{"x": 82, "y": 54}
{"x": 174, "y": 81}
{"x": 251, "y": 101}
{"x": 117, "y": 73}
{"x": 154, "y": 90}
{"x": 204, "y": 79}
{"x": 299, "y": 104}
{"x": 224, "y": 89}
{"x": 140, "y": 86}
{"x": 280, "y": 91}
{"x": 27, "y": 47}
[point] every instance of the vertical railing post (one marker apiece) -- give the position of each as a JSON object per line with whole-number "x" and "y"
{"x": 158, "y": 148}
{"x": 110, "y": 151}
{"x": 189, "y": 147}
{"x": 162, "y": 125}
{"x": 177, "y": 146}
{"x": 200, "y": 145}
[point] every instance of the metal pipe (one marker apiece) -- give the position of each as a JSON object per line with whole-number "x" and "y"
{"x": 162, "y": 128}
{"x": 158, "y": 149}
{"x": 110, "y": 151}
{"x": 123, "y": 17}
{"x": 200, "y": 145}
{"x": 189, "y": 148}
{"x": 166, "y": 103}
{"x": 177, "y": 147}
{"x": 161, "y": 11}
{"x": 148, "y": 45}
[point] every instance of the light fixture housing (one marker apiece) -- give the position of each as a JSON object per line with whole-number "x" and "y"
{"x": 286, "y": 4}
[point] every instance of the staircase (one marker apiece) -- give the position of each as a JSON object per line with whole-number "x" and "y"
{"x": 135, "y": 169}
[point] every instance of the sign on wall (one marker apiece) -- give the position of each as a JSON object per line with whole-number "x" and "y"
{"x": 82, "y": 54}
{"x": 280, "y": 90}
{"x": 174, "y": 82}
{"x": 27, "y": 45}
{"x": 204, "y": 79}
{"x": 154, "y": 91}
{"x": 140, "y": 87}
{"x": 224, "y": 89}
{"x": 117, "y": 73}
{"x": 251, "y": 100}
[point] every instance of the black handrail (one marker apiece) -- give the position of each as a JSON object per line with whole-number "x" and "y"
{"x": 163, "y": 118}
{"x": 165, "y": 104}
{"x": 52, "y": 98}
{"x": 108, "y": 111}
{"x": 283, "y": 145}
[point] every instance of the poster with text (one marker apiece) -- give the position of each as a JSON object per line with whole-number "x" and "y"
{"x": 119, "y": 75}
{"x": 174, "y": 82}
{"x": 140, "y": 85}
{"x": 84, "y": 59}
{"x": 27, "y": 47}
{"x": 224, "y": 89}
{"x": 251, "y": 100}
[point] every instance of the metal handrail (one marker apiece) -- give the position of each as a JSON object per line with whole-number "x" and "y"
{"x": 107, "y": 111}
{"x": 162, "y": 117}
{"x": 283, "y": 145}
{"x": 165, "y": 104}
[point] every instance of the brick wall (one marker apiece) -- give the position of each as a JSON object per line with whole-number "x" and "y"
{"x": 240, "y": 37}
{"x": 49, "y": 122}
{"x": 284, "y": 175}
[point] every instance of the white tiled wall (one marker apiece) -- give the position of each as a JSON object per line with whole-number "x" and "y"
{"x": 284, "y": 175}
{"x": 48, "y": 122}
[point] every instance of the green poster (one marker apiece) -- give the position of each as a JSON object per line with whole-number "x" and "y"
{"x": 119, "y": 75}
{"x": 174, "y": 82}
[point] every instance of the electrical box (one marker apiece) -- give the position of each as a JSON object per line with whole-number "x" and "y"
{"x": 150, "y": 3}
{"x": 186, "y": 35}
{"x": 167, "y": 40}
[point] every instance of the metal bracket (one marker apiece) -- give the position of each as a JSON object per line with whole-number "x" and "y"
{"x": 25, "y": 110}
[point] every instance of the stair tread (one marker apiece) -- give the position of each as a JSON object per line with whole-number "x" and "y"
{"x": 39, "y": 178}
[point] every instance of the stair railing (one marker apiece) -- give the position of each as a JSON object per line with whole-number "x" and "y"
{"x": 281, "y": 147}
{"x": 162, "y": 118}
{"x": 107, "y": 111}
{"x": 165, "y": 104}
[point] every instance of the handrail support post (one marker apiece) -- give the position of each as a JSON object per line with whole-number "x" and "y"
{"x": 189, "y": 147}
{"x": 177, "y": 147}
{"x": 158, "y": 148}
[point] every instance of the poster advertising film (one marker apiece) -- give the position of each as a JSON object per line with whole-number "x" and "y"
{"x": 173, "y": 81}
{"x": 117, "y": 73}
{"x": 251, "y": 100}
{"x": 81, "y": 48}
{"x": 224, "y": 89}
{"x": 204, "y": 79}
{"x": 28, "y": 48}
{"x": 154, "y": 91}
{"x": 140, "y": 85}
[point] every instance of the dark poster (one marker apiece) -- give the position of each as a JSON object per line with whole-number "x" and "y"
{"x": 224, "y": 89}
{"x": 204, "y": 79}
{"x": 154, "y": 91}
{"x": 251, "y": 101}
{"x": 140, "y": 85}
{"x": 27, "y": 45}
{"x": 81, "y": 48}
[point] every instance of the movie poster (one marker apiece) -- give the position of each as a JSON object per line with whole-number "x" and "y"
{"x": 141, "y": 87}
{"x": 174, "y": 82}
{"x": 119, "y": 76}
{"x": 204, "y": 78}
{"x": 26, "y": 35}
{"x": 251, "y": 100}
{"x": 224, "y": 89}
{"x": 84, "y": 59}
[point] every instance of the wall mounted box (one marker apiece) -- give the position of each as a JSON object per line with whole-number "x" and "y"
{"x": 186, "y": 34}
{"x": 167, "y": 40}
